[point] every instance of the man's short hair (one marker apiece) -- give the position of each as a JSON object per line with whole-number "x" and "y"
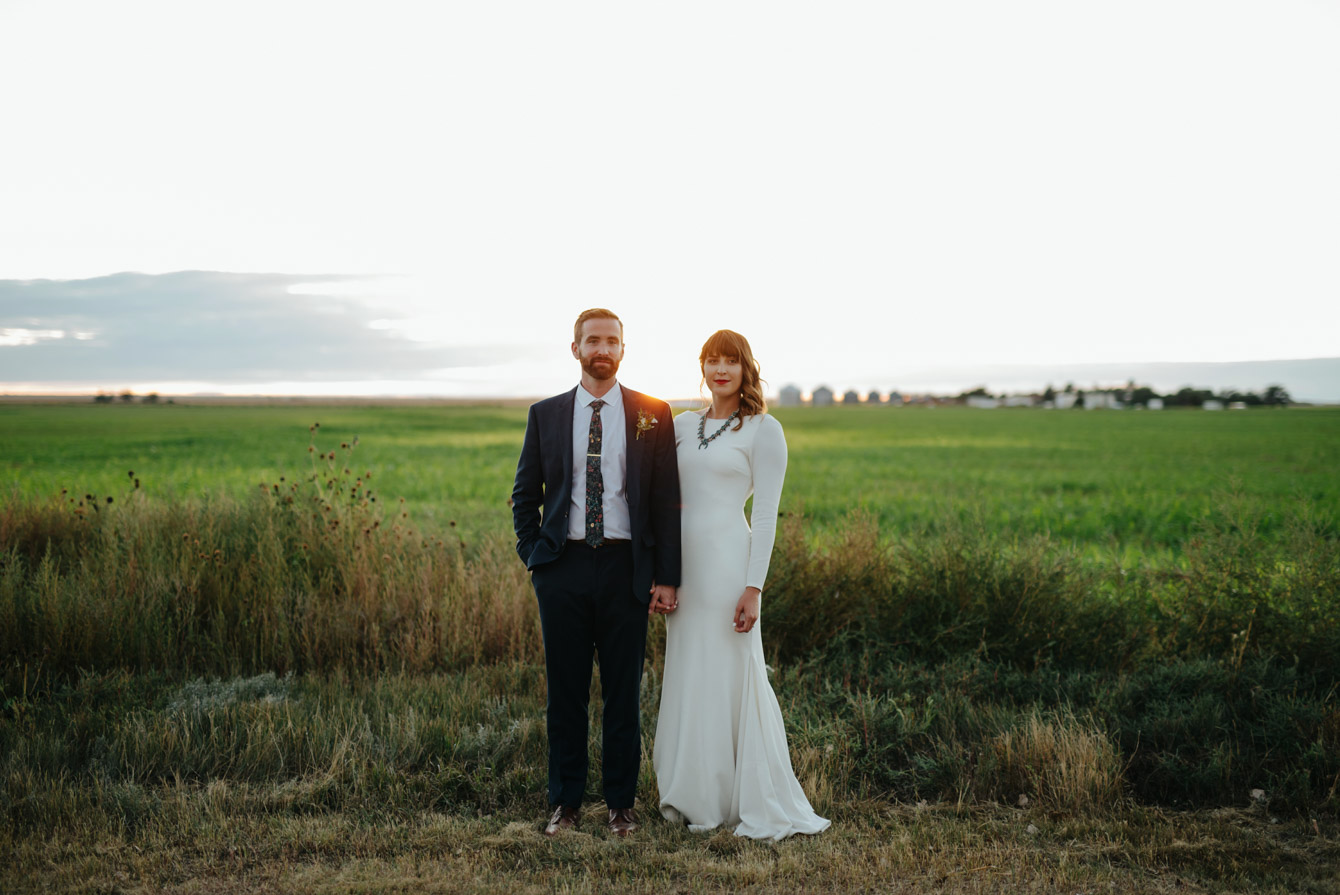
{"x": 594, "y": 314}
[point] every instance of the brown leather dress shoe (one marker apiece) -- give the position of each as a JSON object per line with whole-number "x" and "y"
{"x": 564, "y": 818}
{"x": 622, "y": 821}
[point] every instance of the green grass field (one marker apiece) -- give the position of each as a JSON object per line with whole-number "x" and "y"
{"x": 1129, "y": 619}
{"x": 1133, "y": 483}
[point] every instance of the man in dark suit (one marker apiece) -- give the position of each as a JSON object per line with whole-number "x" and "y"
{"x": 596, "y": 512}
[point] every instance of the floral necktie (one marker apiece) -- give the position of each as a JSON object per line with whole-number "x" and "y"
{"x": 595, "y": 483}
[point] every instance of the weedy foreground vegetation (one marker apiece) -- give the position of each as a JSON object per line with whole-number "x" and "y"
{"x": 1015, "y": 650}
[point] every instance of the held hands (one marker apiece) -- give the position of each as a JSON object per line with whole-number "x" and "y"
{"x": 664, "y": 600}
{"x": 746, "y": 610}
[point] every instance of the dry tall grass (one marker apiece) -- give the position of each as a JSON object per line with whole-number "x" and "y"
{"x": 311, "y": 575}
{"x": 1059, "y": 762}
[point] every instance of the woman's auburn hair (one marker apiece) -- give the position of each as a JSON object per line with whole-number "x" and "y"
{"x": 728, "y": 343}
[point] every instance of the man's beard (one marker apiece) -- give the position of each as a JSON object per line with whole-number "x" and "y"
{"x": 600, "y": 373}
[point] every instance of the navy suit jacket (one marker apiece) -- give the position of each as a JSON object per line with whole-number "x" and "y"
{"x": 542, "y": 494}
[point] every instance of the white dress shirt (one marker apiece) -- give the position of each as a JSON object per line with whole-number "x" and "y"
{"x": 613, "y": 464}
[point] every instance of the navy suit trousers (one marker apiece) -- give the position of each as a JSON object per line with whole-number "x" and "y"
{"x": 588, "y": 610}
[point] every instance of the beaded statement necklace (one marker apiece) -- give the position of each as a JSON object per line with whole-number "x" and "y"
{"x": 702, "y": 427}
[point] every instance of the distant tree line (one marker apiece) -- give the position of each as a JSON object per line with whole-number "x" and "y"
{"x": 127, "y": 397}
{"x": 1274, "y": 396}
{"x": 1141, "y": 395}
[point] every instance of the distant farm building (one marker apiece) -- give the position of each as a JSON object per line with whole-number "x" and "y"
{"x": 852, "y": 397}
{"x": 1065, "y": 400}
{"x": 1019, "y": 401}
{"x": 1101, "y": 401}
{"x": 1212, "y": 405}
{"x": 895, "y": 399}
{"x": 1155, "y": 404}
{"x": 821, "y": 397}
{"x": 981, "y": 402}
{"x": 874, "y": 398}
{"x": 789, "y": 396}
{"x": 1237, "y": 405}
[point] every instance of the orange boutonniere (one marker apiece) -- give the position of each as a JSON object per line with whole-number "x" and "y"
{"x": 645, "y": 423}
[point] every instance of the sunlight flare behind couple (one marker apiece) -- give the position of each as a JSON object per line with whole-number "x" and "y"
{"x": 622, "y": 510}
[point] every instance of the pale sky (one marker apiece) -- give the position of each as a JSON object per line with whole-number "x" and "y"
{"x": 862, "y": 189}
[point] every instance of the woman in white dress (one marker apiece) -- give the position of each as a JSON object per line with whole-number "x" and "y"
{"x": 720, "y": 755}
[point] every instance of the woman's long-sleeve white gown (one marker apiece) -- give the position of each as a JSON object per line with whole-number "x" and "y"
{"x": 720, "y": 754}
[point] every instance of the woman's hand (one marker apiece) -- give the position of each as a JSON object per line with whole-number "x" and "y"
{"x": 746, "y": 610}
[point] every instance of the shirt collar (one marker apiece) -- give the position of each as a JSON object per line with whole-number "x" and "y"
{"x": 584, "y": 398}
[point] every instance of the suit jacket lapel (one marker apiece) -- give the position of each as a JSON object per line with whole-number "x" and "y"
{"x": 634, "y": 467}
{"x": 566, "y": 408}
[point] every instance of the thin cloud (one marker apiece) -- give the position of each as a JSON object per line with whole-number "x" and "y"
{"x": 208, "y": 326}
